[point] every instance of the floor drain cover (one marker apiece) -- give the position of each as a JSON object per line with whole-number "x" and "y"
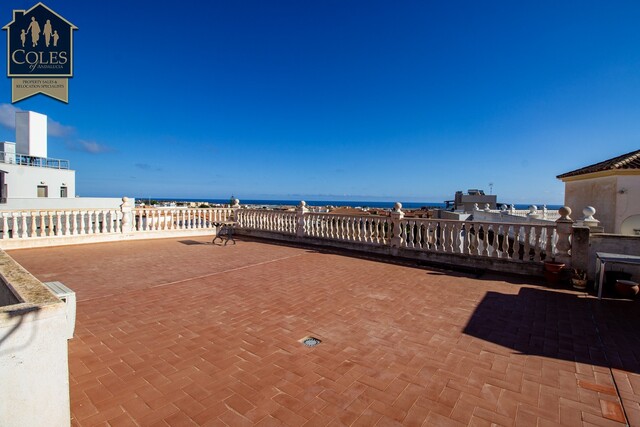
{"x": 311, "y": 342}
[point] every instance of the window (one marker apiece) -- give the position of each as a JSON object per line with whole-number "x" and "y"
{"x": 43, "y": 191}
{"x": 63, "y": 191}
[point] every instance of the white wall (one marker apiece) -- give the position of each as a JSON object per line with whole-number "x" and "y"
{"x": 34, "y": 367}
{"x": 23, "y": 181}
{"x": 31, "y": 133}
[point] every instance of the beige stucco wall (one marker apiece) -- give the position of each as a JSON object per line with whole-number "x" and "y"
{"x": 628, "y": 201}
{"x": 615, "y": 198}
{"x": 597, "y": 192}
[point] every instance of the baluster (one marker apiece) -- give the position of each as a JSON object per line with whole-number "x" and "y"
{"x": 465, "y": 238}
{"x": 450, "y": 230}
{"x": 484, "y": 240}
{"x": 502, "y": 245}
{"x": 368, "y": 231}
{"x": 443, "y": 236}
{"x": 81, "y": 222}
{"x": 408, "y": 229}
{"x": 454, "y": 237}
{"x": 24, "y": 232}
{"x": 537, "y": 242}
{"x": 355, "y": 229}
{"x": 549, "y": 243}
{"x": 351, "y": 229}
{"x": 39, "y": 228}
{"x": 92, "y": 222}
{"x": 474, "y": 244}
{"x": 15, "y": 232}
{"x": 32, "y": 225}
{"x": 72, "y": 223}
{"x": 66, "y": 222}
{"x": 5, "y": 226}
{"x": 517, "y": 231}
{"x": 346, "y": 231}
{"x": 58, "y": 230}
{"x": 527, "y": 243}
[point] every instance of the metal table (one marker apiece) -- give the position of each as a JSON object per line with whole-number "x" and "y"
{"x": 224, "y": 232}
{"x": 604, "y": 258}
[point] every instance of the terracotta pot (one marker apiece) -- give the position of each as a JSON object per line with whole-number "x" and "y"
{"x": 553, "y": 266}
{"x": 627, "y": 288}
{"x": 553, "y": 278}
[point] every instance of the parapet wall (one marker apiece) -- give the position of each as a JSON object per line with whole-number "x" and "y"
{"x": 34, "y": 369}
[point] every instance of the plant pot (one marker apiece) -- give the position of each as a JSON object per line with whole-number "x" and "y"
{"x": 553, "y": 266}
{"x": 552, "y": 278}
{"x": 611, "y": 277}
{"x": 627, "y": 288}
{"x": 580, "y": 284}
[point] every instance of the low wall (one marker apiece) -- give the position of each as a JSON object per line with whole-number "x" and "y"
{"x": 44, "y": 203}
{"x": 617, "y": 244}
{"x": 450, "y": 260}
{"x": 40, "y": 242}
{"x": 34, "y": 370}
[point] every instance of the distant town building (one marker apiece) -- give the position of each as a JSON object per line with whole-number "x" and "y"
{"x": 25, "y": 170}
{"x": 612, "y": 187}
{"x": 466, "y": 202}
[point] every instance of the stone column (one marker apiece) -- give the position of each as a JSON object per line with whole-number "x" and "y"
{"x": 396, "y": 216}
{"x": 564, "y": 228}
{"x": 580, "y": 247}
{"x": 235, "y": 207}
{"x": 301, "y": 210}
{"x": 127, "y": 215}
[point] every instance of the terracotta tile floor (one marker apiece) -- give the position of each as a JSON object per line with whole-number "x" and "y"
{"x": 179, "y": 332}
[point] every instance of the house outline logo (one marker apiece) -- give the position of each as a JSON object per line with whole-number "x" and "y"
{"x": 39, "y": 53}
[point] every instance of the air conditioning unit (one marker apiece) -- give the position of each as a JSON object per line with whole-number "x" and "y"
{"x": 69, "y": 298}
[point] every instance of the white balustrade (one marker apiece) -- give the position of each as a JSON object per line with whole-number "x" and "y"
{"x": 167, "y": 219}
{"x": 43, "y": 224}
{"x": 515, "y": 241}
{"x": 489, "y": 240}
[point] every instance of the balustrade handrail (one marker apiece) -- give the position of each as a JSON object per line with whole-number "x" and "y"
{"x": 488, "y": 238}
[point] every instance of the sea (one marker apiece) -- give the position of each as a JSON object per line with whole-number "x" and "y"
{"x": 349, "y": 203}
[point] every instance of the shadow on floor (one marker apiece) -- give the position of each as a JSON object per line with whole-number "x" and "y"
{"x": 192, "y": 242}
{"x": 561, "y": 326}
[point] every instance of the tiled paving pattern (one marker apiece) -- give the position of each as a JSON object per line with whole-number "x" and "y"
{"x": 174, "y": 333}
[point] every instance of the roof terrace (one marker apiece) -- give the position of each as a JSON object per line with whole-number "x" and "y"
{"x": 179, "y": 331}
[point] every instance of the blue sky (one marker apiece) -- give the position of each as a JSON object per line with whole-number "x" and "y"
{"x": 402, "y": 100}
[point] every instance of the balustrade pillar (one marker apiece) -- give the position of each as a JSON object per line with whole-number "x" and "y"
{"x": 127, "y": 219}
{"x": 235, "y": 208}
{"x": 396, "y": 218}
{"x": 301, "y": 210}
{"x": 533, "y": 212}
{"x": 564, "y": 229}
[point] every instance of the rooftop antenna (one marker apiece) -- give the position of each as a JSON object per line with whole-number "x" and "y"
{"x": 490, "y": 188}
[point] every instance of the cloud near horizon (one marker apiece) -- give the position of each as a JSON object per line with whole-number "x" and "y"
{"x": 91, "y": 147}
{"x": 54, "y": 128}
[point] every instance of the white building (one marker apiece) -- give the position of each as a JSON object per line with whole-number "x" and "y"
{"x": 612, "y": 187}
{"x": 25, "y": 170}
